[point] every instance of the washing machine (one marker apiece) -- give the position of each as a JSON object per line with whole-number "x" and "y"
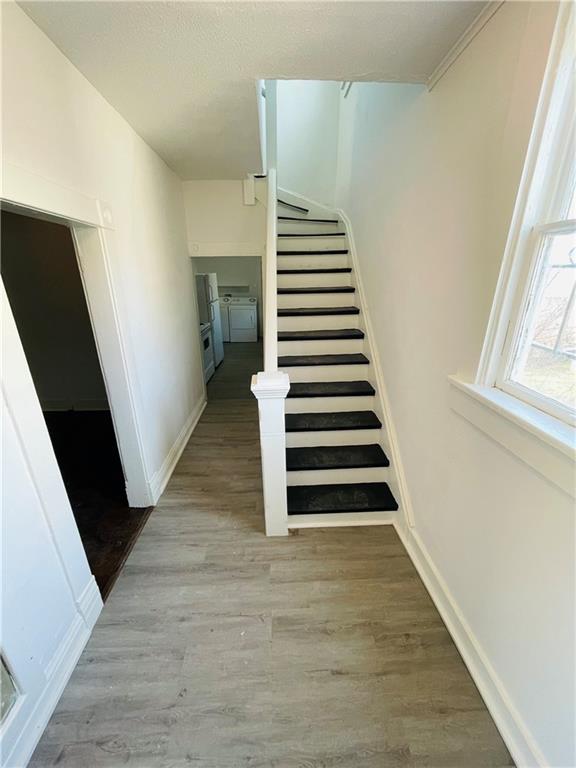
{"x": 242, "y": 320}
{"x": 225, "y": 317}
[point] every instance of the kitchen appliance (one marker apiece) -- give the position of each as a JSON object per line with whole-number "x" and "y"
{"x": 242, "y": 318}
{"x": 209, "y": 309}
{"x": 225, "y": 317}
{"x": 207, "y": 351}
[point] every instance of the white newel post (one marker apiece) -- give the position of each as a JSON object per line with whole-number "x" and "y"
{"x": 270, "y": 389}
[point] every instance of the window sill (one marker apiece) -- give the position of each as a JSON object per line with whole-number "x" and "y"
{"x": 544, "y": 443}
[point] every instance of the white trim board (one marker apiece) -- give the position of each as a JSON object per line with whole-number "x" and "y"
{"x": 24, "y": 189}
{"x": 512, "y": 728}
{"x": 162, "y": 476}
{"x": 341, "y": 520}
{"x": 541, "y": 441}
{"x": 65, "y": 661}
{"x": 463, "y": 42}
{"x": 90, "y": 221}
{"x": 215, "y": 250}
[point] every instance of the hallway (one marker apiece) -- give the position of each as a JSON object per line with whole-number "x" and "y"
{"x": 219, "y": 648}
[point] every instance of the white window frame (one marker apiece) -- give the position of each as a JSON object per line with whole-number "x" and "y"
{"x": 513, "y": 416}
{"x": 537, "y": 214}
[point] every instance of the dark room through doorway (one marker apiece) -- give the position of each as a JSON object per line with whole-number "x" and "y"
{"x": 44, "y": 286}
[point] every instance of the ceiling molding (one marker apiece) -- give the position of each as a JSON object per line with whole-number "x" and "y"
{"x": 463, "y": 42}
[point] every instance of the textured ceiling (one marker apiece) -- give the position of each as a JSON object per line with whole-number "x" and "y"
{"x": 183, "y": 73}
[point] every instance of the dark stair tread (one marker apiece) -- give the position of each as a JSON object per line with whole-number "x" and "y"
{"x": 331, "y": 389}
{"x": 319, "y": 271}
{"x": 331, "y": 421}
{"x": 312, "y": 221}
{"x": 311, "y": 234}
{"x": 327, "y": 334}
{"x": 341, "y": 497}
{"x": 289, "y": 361}
{"x": 291, "y": 205}
{"x": 316, "y": 311}
{"x": 332, "y": 252}
{"x": 335, "y": 457}
{"x": 318, "y": 289}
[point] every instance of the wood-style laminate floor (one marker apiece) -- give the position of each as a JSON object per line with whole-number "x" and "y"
{"x": 220, "y": 648}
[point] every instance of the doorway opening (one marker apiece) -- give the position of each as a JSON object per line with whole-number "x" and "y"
{"x": 229, "y": 295}
{"x": 43, "y": 282}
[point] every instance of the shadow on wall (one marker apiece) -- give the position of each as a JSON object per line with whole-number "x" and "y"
{"x": 308, "y": 116}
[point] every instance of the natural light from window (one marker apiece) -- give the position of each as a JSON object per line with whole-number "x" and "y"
{"x": 545, "y": 360}
{"x": 538, "y": 363}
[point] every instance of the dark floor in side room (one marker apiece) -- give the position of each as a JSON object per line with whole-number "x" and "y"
{"x": 221, "y": 648}
{"x": 87, "y": 452}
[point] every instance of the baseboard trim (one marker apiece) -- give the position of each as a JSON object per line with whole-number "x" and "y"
{"x": 513, "y": 730}
{"x": 160, "y": 478}
{"x": 90, "y": 603}
{"x": 61, "y": 669}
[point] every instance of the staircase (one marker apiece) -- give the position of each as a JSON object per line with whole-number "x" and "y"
{"x": 337, "y": 468}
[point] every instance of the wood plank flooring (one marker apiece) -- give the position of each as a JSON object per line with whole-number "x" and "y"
{"x": 220, "y": 648}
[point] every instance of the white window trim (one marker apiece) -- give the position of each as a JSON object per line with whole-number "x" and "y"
{"x": 542, "y": 440}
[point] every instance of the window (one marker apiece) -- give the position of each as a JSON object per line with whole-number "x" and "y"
{"x": 531, "y": 347}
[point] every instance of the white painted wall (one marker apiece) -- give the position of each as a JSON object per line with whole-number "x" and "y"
{"x": 219, "y": 224}
{"x": 42, "y": 279}
{"x": 428, "y": 181}
{"x": 307, "y": 115}
{"x": 60, "y": 135}
{"x": 57, "y": 126}
{"x": 50, "y": 600}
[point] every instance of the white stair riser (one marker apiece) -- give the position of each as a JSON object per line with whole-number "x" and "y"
{"x": 311, "y": 243}
{"x": 318, "y": 322}
{"x": 328, "y": 404}
{"x": 308, "y": 227}
{"x": 328, "y": 372}
{"x": 325, "y": 347}
{"x": 355, "y": 475}
{"x": 315, "y": 300}
{"x": 335, "y": 437}
{"x": 313, "y": 279}
{"x": 341, "y": 519}
{"x": 305, "y": 261}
